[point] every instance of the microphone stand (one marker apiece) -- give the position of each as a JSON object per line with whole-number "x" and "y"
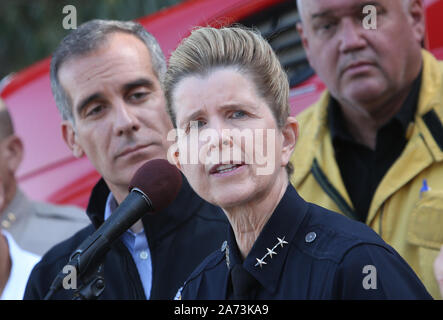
{"x": 92, "y": 285}
{"x": 87, "y": 261}
{"x": 92, "y": 281}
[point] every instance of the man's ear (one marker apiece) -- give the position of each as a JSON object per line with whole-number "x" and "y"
{"x": 290, "y": 136}
{"x": 304, "y": 40}
{"x": 417, "y": 19}
{"x": 13, "y": 152}
{"x": 70, "y": 137}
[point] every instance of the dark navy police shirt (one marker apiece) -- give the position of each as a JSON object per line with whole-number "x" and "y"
{"x": 306, "y": 252}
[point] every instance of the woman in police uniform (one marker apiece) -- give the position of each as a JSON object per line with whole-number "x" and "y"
{"x": 228, "y": 97}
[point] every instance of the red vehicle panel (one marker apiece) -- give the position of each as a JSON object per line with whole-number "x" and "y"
{"x": 49, "y": 172}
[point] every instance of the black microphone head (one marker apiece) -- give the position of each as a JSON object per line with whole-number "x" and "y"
{"x": 159, "y": 180}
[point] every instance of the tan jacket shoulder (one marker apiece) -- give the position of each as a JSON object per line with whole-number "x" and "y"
{"x": 37, "y": 226}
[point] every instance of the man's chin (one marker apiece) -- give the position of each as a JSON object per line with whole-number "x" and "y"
{"x": 126, "y": 172}
{"x": 123, "y": 175}
{"x": 363, "y": 93}
{"x": 135, "y": 160}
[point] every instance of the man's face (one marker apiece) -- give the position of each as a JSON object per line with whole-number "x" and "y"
{"x": 120, "y": 118}
{"x": 357, "y": 64}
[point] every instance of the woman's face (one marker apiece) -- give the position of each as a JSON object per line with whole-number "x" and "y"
{"x": 229, "y": 146}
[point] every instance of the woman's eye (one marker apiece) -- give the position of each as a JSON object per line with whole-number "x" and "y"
{"x": 238, "y": 114}
{"x": 196, "y": 124}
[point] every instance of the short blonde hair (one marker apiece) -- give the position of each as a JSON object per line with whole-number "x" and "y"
{"x": 246, "y": 50}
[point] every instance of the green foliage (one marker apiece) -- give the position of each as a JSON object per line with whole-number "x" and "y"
{"x": 31, "y": 29}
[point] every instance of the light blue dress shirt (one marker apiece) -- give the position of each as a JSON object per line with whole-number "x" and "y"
{"x": 138, "y": 246}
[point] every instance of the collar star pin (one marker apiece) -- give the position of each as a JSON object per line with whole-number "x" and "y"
{"x": 271, "y": 252}
{"x": 261, "y": 262}
{"x": 281, "y": 242}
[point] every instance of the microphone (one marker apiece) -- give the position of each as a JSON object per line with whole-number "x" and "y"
{"x": 153, "y": 187}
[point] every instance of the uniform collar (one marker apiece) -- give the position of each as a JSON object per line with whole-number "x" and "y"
{"x": 274, "y": 240}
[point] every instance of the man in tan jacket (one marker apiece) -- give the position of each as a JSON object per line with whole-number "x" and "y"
{"x": 372, "y": 146}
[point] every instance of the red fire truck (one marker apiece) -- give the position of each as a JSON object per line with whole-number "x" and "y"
{"x": 49, "y": 172}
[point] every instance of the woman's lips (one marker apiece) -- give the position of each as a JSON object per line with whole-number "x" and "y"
{"x": 223, "y": 170}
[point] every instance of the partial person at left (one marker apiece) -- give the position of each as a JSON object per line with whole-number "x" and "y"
{"x": 36, "y": 226}
{"x": 15, "y": 263}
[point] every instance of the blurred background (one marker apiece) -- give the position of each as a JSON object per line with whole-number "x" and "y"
{"x": 31, "y": 29}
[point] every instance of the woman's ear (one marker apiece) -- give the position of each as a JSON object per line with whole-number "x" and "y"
{"x": 177, "y": 162}
{"x": 174, "y": 156}
{"x": 290, "y": 136}
{"x": 70, "y": 137}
